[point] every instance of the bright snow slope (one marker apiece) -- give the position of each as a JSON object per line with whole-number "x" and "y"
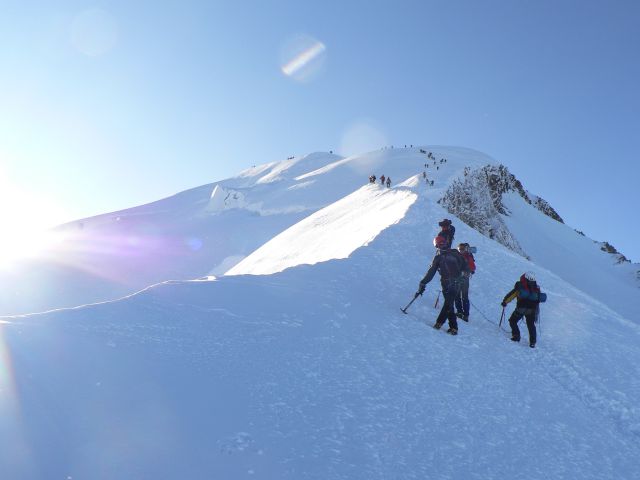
{"x": 209, "y": 229}
{"x": 314, "y": 372}
{"x": 199, "y": 232}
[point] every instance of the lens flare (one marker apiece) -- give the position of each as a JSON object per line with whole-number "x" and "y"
{"x": 303, "y": 58}
{"x": 6, "y": 377}
{"x": 94, "y": 32}
{"x": 12, "y": 431}
{"x": 364, "y": 137}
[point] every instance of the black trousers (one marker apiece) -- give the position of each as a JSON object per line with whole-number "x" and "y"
{"x": 449, "y": 292}
{"x": 530, "y": 315}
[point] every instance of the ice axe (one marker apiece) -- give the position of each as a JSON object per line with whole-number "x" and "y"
{"x": 404, "y": 310}
{"x": 437, "y": 299}
{"x": 501, "y": 318}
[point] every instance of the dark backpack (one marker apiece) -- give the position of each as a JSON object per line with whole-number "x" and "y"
{"x": 450, "y": 266}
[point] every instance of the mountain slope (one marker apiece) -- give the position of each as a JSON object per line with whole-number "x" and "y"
{"x": 315, "y": 373}
{"x": 323, "y": 235}
{"x": 208, "y": 230}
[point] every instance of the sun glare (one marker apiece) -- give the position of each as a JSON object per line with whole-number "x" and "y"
{"x": 25, "y": 218}
{"x": 23, "y": 244}
{"x": 302, "y": 58}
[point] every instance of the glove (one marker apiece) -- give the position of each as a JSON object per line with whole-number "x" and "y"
{"x": 503, "y": 304}
{"x": 421, "y": 288}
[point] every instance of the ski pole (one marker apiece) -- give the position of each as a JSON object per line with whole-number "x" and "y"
{"x": 437, "y": 299}
{"x": 501, "y": 318}
{"x": 404, "y": 310}
{"x": 539, "y": 323}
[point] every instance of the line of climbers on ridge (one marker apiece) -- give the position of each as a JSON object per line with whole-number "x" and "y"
{"x": 456, "y": 267}
{"x": 372, "y": 179}
{"x": 435, "y": 164}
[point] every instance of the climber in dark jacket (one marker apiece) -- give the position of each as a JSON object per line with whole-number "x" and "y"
{"x": 448, "y": 231}
{"x": 529, "y": 296}
{"x": 451, "y": 265}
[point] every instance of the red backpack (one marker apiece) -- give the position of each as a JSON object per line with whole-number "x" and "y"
{"x": 470, "y": 260}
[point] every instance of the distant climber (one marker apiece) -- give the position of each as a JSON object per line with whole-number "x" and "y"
{"x": 372, "y": 179}
{"x": 450, "y": 264}
{"x": 382, "y": 180}
{"x": 388, "y": 182}
{"x": 448, "y": 231}
{"x": 529, "y": 296}
{"x": 462, "y": 300}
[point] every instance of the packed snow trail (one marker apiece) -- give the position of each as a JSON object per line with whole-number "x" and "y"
{"x": 315, "y": 373}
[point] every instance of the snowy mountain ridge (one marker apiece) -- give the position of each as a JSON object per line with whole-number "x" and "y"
{"x": 300, "y": 364}
{"x": 294, "y": 361}
{"x": 207, "y": 230}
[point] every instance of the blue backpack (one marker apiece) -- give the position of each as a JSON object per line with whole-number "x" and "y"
{"x": 532, "y": 294}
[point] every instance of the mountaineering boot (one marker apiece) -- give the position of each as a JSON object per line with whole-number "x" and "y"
{"x": 465, "y": 317}
{"x": 452, "y": 331}
{"x": 532, "y": 345}
{"x": 460, "y": 315}
{"x": 515, "y": 339}
{"x": 437, "y": 325}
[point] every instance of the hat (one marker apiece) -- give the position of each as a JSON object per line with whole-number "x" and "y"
{"x": 440, "y": 242}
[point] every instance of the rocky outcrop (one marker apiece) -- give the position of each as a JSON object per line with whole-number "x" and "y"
{"x": 545, "y": 208}
{"x": 607, "y": 247}
{"x": 476, "y": 199}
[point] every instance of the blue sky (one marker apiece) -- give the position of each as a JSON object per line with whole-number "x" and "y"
{"x": 156, "y": 97}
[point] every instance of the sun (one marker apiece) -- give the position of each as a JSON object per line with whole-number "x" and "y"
{"x": 25, "y": 219}
{"x": 22, "y": 244}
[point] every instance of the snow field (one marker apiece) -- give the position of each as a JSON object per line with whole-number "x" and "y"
{"x": 314, "y": 372}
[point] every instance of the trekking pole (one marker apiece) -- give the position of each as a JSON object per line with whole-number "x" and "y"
{"x": 437, "y": 299}
{"x": 501, "y": 317}
{"x": 404, "y": 310}
{"x": 539, "y": 323}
